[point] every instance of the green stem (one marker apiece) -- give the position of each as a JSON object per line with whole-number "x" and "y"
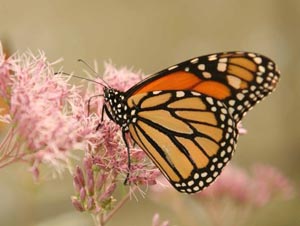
{"x": 105, "y": 219}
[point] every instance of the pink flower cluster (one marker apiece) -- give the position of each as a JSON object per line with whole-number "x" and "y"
{"x": 41, "y": 120}
{"x": 121, "y": 79}
{"x": 49, "y": 120}
{"x": 231, "y": 198}
{"x": 257, "y": 189}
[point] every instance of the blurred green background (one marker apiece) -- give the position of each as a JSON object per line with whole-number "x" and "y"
{"x": 152, "y": 35}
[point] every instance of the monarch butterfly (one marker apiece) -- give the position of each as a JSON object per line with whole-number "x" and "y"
{"x": 185, "y": 117}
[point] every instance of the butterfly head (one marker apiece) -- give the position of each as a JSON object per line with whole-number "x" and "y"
{"x": 117, "y": 106}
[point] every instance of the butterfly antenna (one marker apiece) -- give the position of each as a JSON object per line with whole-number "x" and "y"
{"x": 88, "y": 66}
{"x": 76, "y": 76}
{"x": 91, "y": 69}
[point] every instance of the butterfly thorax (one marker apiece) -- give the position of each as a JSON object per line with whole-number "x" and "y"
{"x": 117, "y": 107}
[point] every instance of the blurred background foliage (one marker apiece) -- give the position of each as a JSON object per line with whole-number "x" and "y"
{"x": 149, "y": 36}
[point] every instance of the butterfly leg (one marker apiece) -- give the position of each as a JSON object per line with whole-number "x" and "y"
{"x": 89, "y": 102}
{"x": 128, "y": 156}
{"x": 107, "y": 112}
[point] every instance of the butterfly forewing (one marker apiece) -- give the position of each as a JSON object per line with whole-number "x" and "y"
{"x": 188, "y": 135}
{"x": 239, "y": 79}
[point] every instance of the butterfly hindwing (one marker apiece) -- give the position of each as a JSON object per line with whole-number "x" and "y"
{"x": 188, "y": 135}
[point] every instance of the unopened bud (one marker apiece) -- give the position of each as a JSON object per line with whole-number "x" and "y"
{"x": 77, "y": 204}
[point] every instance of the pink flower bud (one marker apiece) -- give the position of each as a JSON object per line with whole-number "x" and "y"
{"x": 90, "y": 186}
{"x": 77, "y": 204}
{"x": 80, "y": 176}
{"x": 90, "y": 203}
{"x": 111, "y": 189}
{"x": 82, "y": 194}
{"x": 88, "y": 163}
{"x": 89, "y": 174}
{"x": 108, "y": 192}
{"x": 77, "y": 185}
{"x": 100, "y": 181}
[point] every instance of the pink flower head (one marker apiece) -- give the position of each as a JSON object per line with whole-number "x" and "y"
{"x": 38, "y": 108}
{"x": 256, "y": 189}
{"x": 234, "y": 193}
{"x": 43, "y": 126}
{"x": 269, "y": 183}
{"x": 233, "y": 183}
{"x": 121, "y": 79}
